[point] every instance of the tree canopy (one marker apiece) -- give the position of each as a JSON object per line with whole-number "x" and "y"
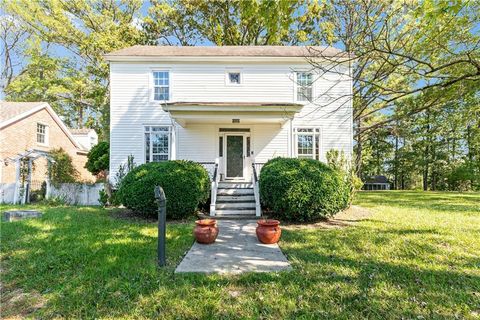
{"x": 411, "y": 62}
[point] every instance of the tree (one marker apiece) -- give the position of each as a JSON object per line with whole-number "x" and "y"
{"x": 61, "y": 169}
{"x": 84, "y": 31}
{"x": 400, "y": 49}
{"x": 12, "y": 37}
{"x": 98, "y": 158}
{"x": 237, "y": 22}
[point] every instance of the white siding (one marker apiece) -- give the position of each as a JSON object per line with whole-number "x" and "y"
{"x": 131, "y": 108}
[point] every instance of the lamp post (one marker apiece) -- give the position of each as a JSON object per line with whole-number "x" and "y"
{"x": 162, "y": 216}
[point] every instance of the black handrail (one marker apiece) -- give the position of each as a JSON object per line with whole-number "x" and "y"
{"x": 254, "y": 172}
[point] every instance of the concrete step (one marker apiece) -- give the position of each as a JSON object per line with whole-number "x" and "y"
{"x": 227, "y": 212}
{"x": 228, "y": 216}
{"x": 235, "y": 185}
{"x": 235, "y": 205}
{"x": 240, "y": 197}
{"x": 229, "y": 192}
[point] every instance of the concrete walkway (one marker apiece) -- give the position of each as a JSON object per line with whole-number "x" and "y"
{"x": 236, "y": 250}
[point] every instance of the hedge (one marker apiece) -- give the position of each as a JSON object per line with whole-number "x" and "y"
{"x": 302, "y": 189}
{"x": 186, "y": 185}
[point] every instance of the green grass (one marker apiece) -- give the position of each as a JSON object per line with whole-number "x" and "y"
{"x": 417, "y": 256}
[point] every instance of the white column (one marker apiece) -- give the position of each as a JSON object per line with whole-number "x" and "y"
{"x": 173, "y": 142}
{"x": 16, "y": 193}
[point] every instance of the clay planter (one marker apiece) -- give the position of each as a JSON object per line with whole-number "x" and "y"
{"x": 268, "y": 231}
{"x": 206, "y": 231}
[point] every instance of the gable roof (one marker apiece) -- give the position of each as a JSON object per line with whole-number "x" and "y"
{"x": 11, "y": 112}
{"x": 225, "y": 51}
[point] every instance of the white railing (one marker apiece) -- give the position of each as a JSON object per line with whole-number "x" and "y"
{"x": 256, "y": 191}
{"x": 214, "y": 187}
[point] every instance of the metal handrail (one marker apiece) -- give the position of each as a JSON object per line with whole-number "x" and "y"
{"x": 256, "y": 191}
{"x": 214, "y": 187}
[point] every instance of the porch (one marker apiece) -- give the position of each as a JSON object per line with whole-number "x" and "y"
{"x": 233, "y": 140}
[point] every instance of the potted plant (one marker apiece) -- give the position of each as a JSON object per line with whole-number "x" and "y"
{"x": 268, "y": 230}
{"x": 205, "y": 231}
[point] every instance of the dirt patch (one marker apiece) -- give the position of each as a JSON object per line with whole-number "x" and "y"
{"x": 17, "y": 304}
{"x": 342, "y": 219}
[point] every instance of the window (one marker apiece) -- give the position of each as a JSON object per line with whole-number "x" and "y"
{"x": 161, "y": 86}
{"x": 234, "y": 77}
{"x": 220, "y": 146}
{"x": 307, "y": 143}
{"x": 157, "y": 144}
{"x": 42, "y": 133}
{"x": 304, "y": 86}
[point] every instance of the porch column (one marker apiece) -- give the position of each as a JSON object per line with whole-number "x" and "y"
{"x": 173, "y": 142}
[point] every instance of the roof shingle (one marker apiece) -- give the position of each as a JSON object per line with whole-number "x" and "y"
{"x": 225, "y": 51}
{"x": 9, "y": 110}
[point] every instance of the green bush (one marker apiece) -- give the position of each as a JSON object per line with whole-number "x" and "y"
{"x": 98, "y": 158}
{"x": 302, "y": 189}
{"x": 186, "y": 185}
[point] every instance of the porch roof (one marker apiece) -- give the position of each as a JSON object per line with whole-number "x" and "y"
{"x": 231, "y": 112}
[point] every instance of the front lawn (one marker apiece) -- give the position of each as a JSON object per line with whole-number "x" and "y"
{"x": 417, "y": 256}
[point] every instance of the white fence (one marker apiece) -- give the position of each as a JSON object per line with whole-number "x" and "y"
{"x": 77, "y": 194}
{"x": 7, "y": 191}
{"x": 71, "y": 193}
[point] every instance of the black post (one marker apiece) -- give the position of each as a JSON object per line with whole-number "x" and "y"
{"x": 162, "y": 216}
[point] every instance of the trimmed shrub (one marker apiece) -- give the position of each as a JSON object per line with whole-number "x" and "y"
{"x": 98, "y": 158}
{"x": 186, "y": 185}
{"x": 302, "y": 189}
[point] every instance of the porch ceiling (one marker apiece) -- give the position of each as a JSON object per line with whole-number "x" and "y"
{"x": 186, "y": 113}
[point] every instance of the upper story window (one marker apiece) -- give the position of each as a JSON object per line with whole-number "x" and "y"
{"x": 307, "y": 143}
{"x": 304, "y": 86}
{"x": 233, "y": 77}
{"x": 157, "y": 143}
{"x": 42, "y": 133}
{"x": 161, "y": 85}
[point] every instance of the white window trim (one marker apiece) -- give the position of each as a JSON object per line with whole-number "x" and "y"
{"x": 150, "y": 156}
{"x": 227, "y": 78}
{"x": 295, "y": 86}
{"x": 151, "y": 86}
{"x": 47, "y": 136}
{"x": 320, "y": 140}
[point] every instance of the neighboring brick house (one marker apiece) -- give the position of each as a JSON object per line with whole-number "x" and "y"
{"x": 35, "y": 126}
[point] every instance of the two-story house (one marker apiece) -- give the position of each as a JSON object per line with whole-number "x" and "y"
{"x": 234, "y": 105}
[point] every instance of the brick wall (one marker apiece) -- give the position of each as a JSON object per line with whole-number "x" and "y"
{"x": 22, "y": 135}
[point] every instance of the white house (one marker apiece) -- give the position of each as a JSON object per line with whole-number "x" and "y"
{"x": 237, "y": 106}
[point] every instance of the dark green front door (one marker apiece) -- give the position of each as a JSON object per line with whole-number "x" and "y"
{"x": 234, "y": 156}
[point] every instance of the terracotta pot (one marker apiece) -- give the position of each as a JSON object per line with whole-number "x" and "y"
{"x": 268, "y": 231}
{"x": 206, "y": 231}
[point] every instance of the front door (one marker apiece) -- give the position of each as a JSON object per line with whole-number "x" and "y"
{"x": 234, "y": 156}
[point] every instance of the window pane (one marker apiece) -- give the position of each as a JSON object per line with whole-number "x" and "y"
{"x": 305, "y": 146}
{"x": 220, "y": 146}
{"x": 304, "y": 86}
{"x": 248, "y": 146}
{"x": 234, "y": 77}
{"x": 161, "y": 93}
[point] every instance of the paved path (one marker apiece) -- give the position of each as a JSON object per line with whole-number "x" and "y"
{"x": 236, "y": 250}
